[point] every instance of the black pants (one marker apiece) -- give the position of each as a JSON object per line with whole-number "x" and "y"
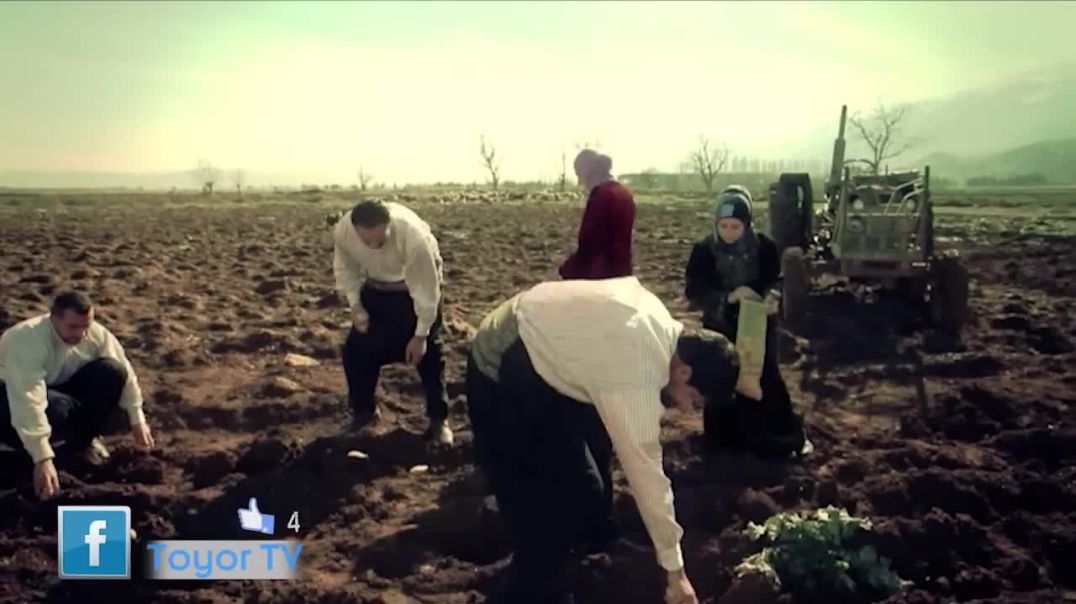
{"x": 770, "y": 427}
{"x": 546, "y": 458}
{"x": 77, "y": 409}
{"x": 392, "y": 325}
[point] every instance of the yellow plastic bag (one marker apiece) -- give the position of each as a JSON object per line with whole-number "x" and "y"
{"x": 751, "y": 347}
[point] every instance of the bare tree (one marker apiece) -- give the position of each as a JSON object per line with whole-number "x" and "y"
{"x": 708, "y": 161}
{"x": 207, "y": 175}
{"x": 490, "y": 161}
{"x": 563, "y": 183}
{"x": 364, "y": 178}
{"x": 882, "y": 133}
{"x": 239, "y": 177}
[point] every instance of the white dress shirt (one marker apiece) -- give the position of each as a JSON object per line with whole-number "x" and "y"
{"x": 609, "y": 342}
{"x": 33, "y": 358}
{"x": 410, "y": 254}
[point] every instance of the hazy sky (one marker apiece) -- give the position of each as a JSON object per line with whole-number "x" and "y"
{"x": 405, "y": 88}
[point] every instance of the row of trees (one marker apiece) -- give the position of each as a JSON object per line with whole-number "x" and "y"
{"x": 492, "y": 163}
{"x": 208, "y": 176}
{"x": 881, "y": 133}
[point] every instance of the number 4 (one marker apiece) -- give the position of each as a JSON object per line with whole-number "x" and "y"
{"x": 293, "y": 522}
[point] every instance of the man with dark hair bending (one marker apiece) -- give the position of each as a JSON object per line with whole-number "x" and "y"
{"x": 558, "y": 378}
{"x": 61, "y": 375}
{"x": 388, "y": 266}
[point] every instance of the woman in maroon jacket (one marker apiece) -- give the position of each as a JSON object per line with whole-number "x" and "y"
{"x": 604, "y": 249}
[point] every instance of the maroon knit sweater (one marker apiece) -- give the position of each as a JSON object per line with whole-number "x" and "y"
{"x": 604, "y": 249}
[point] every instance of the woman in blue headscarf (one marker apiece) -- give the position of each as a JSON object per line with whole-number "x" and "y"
{"x": 734, "y": 263}
{"x": 731, "y": 264}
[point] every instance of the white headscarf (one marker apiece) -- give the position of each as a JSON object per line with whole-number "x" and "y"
{"x": 593, "y": 168}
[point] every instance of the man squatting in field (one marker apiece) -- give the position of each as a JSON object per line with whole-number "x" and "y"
{"x": 388, "y": 266}
{"x": 62, "y": 375}
{"x": 559, "y": 377}
{"x": 604, "y": 245}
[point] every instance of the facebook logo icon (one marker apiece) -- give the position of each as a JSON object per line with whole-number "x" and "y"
{"x": 94, "y": 542}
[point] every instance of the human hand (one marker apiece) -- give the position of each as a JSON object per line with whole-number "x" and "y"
{"x": 416, "y": 349}
{"x": 678, "y": 589}
{"x": 773, "y": 303}
{"x": 743, "y": 293}
{"x": 143, "y": 436}
{"x": 360, "y": 319}
{"x": 46, "y": 481}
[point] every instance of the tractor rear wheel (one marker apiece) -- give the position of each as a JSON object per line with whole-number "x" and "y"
{"x": 789, "y": 226}
{"x": 949, "y": 293}
{"x": 796, "y": 286}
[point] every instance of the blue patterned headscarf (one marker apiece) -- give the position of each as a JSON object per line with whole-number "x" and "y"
{"x": 732, "y": 203}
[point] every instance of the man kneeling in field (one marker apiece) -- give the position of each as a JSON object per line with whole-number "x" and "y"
{"x": 61, "y": 375}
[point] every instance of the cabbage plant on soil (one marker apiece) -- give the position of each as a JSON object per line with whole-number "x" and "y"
{"x": 817, "y": 555}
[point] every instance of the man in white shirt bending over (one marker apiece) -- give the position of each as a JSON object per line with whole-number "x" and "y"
{"x": 558, "y": 378}
{"x": 61, "y": 375}
{"x": 388, "y": 266}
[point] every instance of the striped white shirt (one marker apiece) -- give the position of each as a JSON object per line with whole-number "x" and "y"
{"x": 33, "y": 357}
{"x": 410, "y": 254}
{"x": 609, "y": 342}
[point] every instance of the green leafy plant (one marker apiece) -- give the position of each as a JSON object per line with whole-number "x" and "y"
{"x": 813, "y": 555}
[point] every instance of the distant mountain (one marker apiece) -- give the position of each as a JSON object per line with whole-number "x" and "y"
{"x": 1055, "y": 160}
{"x": 1038, "y": 106}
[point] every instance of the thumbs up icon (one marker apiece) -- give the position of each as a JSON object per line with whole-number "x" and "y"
{"x": 251, "y": 519}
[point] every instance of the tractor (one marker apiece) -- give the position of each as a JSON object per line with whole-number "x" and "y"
{"x": 875, "y": 229}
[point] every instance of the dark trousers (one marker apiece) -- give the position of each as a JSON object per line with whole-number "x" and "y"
{"x": 769, "y": 427}
{"x": 546, "y": 458}
{"x": 392, "y": 325}
{"x": 78, "y": 409}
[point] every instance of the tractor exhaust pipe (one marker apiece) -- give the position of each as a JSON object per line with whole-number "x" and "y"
{"x": 836, "y": 168}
